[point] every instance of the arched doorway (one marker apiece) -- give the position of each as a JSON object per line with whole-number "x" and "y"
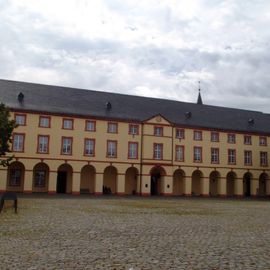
{"x": 40, "y": 177}
{"x": 64, "y": 179}
{"x": 131, "y": 181}
{"x": 157, "y": 174}
{"x": 196, "y": 184}
{"x": 178, "y": 182}
{"x": 88, "y": 175}
{"x": 247, "y": 184}
{"x": 262, "y": 184}
{"x": 15, "y": 181}
{"x": 230, "y": 183}
{"x": 109, "y": 180}
{"x": 213, "y": 183}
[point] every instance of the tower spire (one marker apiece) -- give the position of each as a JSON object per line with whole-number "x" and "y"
{"x": 199, "y": 100}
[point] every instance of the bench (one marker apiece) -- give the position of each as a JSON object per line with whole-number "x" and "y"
{"x": 9, "y": 196}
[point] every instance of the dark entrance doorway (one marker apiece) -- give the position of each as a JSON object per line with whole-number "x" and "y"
{"x": 61, "y": 182}
{"x": 246, "y": 182}
{"x": 155, "y": 179}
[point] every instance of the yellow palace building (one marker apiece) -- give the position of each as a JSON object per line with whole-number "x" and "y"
{"x": 82, "y": 141}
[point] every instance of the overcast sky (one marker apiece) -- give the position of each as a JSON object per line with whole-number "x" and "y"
{"x": 156, "y": 48}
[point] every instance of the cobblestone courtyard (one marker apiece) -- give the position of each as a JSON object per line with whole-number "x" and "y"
{"x": 135, "y": 233}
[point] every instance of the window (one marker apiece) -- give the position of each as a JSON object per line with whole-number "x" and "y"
{"x": 158, "y": 131}
{"x": 112, "y": 127}
{"x": 89, "y": 147}
{"x": 111, "y": 149}
{"x": 214, "y": 155}
{"x": 90, "y": 125}
{"x": 214, "y": 136}
{"x": 43, "y": 144}
{"x": 263, "y": 141}
{"x": 231, "y": 138}
{"x": 66, "y": 146}
{"x": 247, "y": 139}
{"x": 248, "y": 157}
{"x": 20, "y": 119}
{"x": 158, "y": 150}
{"x": 180, "y": 133}
{"x": 197, "y": 154}
{"x": 179, "y": 153}
{"x": 40, "y": 178}
{"x": 231, "y": 156}
{"x": 197, "y": 135}
{"x": 15, "y": 177}
{"x": 18, "y": 142}
{"x": 67, "y": 123}
{"x": 44, "y": 121}
{"x": 133, "y": 129}
{"x": 132, "y": 150}
{"x": 263, "y": 159}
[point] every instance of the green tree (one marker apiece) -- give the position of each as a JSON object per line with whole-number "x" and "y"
{"x": 6, "y": 128}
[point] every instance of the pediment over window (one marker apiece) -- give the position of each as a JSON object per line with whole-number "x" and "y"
{"x": 157, "y": 120}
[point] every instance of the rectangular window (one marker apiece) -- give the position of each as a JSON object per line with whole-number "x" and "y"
{"x": 67, "y": 123}
{"x": 18, "y": 142}
{"x": 112, "y": 127}
{"x": 158, "y": 150}
{"x": 15, "y": 177}
{"x": 214, "y": 136}
{"x": 43, "y": 144}
{"x": 158, "y": 131}
{"x": 197, "y": 135}
{"x": 44, "y": 121}
{"x": 263, "y": 141}
{"x": 40, "y": 179}
{"x": 231, "y": 138}
{"x": 89, "y": 147}
{"x": 197, "y": 154}
{"x": 180, "y": 133}
{"x": 179, "y": 153}
{"x": 66, "y": 146}
{"x": 133, "y": 129}
{"x": 133, "y": 150}
{"x": 20, "y": 119}
{"x": 112, "y": 149}
{"x": 214, "y": 155}
{"x": 247, "y": 139}
{"x": 90, "y": 125}
{"x": 247, "y": 157}
{"x": 263, "y": 159}
{"x": 231, "y": 156}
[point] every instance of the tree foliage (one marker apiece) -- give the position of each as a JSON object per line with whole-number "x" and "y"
{"x": 6, "y": 128}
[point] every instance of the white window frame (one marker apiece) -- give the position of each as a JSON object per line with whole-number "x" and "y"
{"x": 89, "y": 147}
{"x": 66, "y": 146}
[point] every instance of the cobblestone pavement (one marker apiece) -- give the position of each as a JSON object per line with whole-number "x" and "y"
{"x": 65, "y": 232}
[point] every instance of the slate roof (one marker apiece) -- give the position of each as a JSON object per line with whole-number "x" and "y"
{"x": 89, "y": 103}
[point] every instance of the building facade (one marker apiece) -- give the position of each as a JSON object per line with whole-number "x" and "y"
{"x": 78, "y": 141}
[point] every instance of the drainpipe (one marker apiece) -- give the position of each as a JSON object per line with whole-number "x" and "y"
{"x": 141, "y": 158}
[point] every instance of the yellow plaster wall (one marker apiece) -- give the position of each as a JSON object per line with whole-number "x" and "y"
{"x": 100, "y": 162}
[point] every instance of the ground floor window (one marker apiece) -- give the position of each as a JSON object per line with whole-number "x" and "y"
{"x": 15, "y": 177}
{"x": 40, "y": 178}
